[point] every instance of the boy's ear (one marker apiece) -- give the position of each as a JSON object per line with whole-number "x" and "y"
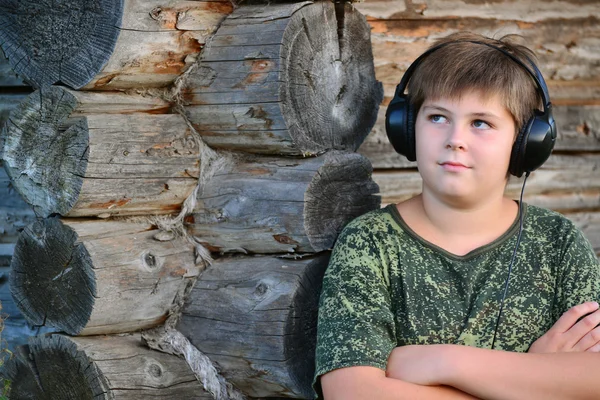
{"x": 400, "y": 126}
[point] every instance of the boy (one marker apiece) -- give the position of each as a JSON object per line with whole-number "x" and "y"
{"x": 413, "y": 302}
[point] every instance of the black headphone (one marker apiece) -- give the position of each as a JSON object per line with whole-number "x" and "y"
{"x": 533, "y": 144}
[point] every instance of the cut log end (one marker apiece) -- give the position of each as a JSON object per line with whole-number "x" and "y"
{"x": 51, "y": 278}
{"x": 52, "y": 367}
{"x": 63, "y": 42}
{"x": 330, "y": 96}
{"x": 341, "y": 191}
{"x": 44, "y": 154}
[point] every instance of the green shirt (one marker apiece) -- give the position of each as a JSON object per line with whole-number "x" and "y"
{"x": 385, "y": 287}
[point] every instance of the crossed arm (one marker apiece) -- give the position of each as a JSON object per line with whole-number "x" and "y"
{"x": 561, "y": 364}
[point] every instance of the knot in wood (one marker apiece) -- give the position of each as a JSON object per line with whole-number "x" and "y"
{"x": 261, "y": 289}
{"x": 155, "y": 370}
{"x": 150, "y": 261}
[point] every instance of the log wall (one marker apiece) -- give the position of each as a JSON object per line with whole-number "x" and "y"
{"x": 565, "y": 36}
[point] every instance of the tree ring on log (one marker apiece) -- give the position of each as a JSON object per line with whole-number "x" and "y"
{"x": 330, "y": 97}
{"x": 67, "y": 274}
{"x": 341, "y": 190}
{"x": 44, "y": 153}
{"x": 286, "y": 79}
{"x": 68, "y": 41}
{"x": 53, "y": 367}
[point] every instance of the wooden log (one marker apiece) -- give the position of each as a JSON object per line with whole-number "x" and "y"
{"x": 94, "y": 277}
{"x": 286, "y": 79}
{"x": 578, "y": 131}
{"x": 256, "y": 318}
{"x": 8, "y": 77}
{"x": 15, "y": 214}
{"x": 97, "y": 368}
{"x": 16, "y": 330}
{"x": 565, "y": 183}
{"x": 111, "y": 45}
{"x": 64, "y": 159}
{"x": 268, "y": 205}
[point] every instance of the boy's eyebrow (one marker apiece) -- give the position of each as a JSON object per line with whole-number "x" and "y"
{"x": 475, "y": 114}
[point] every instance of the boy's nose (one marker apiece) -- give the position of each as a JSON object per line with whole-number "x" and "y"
{"x": 456, "y": 138}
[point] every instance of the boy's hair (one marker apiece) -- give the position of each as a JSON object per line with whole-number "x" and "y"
{"x": 461, "y": 67}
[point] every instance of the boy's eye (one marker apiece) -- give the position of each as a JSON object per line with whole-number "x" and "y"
{"x": 481, "y": 124}
{"x": 437, "y": 118}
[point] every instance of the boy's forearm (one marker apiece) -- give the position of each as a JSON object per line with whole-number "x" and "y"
{"x": 492, "y": 374}
{"x": 370, "y": 383}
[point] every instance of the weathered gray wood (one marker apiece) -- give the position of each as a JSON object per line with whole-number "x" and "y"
{"x": 15, "y": 214}
{"x": 276, "y": 205}
{"x": 286, "y": 79}
{"x": 8, "y": 77}
{"x": 117, "y": 368}
{"x": 578, "y": 130}
{"x": 564, "y": 183}
{"x": 66, "y": 41}
{"x": 256, "y": 318}
{"x": 16, "y": 331}
{"x": 111, "y": 45}
{"x": 94, "y": 277}
{"x": 65, "y": 161}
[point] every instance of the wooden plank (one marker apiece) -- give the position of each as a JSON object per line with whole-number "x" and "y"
{"x": 567, "y": 183}
{"x": 256, "y": 317}
{"x": 114, "y": 367}
{"x": 532, "y": 11}
{"x": 567, "y": 50}
{"x": 73, "y": 274}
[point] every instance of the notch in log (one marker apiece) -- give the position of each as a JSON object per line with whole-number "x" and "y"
{"x": 84, "y": 154}
{"x": 107, "y": 44}
{"x": 96, "y": 277}
{"x": 256, "y": 317}
{"x": 55, "y": 366}
{"x": 275, "y": 205}
{"x": 286, "y": 79}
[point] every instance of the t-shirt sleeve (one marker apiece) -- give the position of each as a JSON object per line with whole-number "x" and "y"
{"x": 580, "y": 278}
{"x": 356, "y": 323}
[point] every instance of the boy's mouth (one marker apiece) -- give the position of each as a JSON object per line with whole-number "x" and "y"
{"x": 453, "y": 165}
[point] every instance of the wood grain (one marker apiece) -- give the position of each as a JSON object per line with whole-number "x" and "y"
{"x": 74, "y": 274}
{"x": 286, "y": 79}
{"x": 256, "y": 318}
{"x": 104, "y": 367}
{"x": 277, "y": 205}
{"x": 64, "y": 159}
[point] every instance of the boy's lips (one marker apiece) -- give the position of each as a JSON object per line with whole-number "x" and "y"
{"x": 453, "y": 165}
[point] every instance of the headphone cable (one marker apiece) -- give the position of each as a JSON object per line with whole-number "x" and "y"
{"x": 512, "y": 260}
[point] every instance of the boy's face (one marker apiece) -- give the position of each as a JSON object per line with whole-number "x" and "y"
{"x": 463, "y": 147}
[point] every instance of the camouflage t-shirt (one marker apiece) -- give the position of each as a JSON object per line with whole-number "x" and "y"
{"x": 385, "y": 287}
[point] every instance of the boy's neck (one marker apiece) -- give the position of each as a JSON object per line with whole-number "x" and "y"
{"x": 458, "y": 230}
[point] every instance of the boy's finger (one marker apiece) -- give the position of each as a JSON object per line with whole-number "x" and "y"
{"x": 570, "y": 317}
{"x": 594, "y": 349}
{"x": 589, "y": 340}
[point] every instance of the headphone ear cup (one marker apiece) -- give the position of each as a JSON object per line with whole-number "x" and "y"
{"x": 396, "y": 124}
{"x": 517, "y": 155}
{"x": 411, "y": 152}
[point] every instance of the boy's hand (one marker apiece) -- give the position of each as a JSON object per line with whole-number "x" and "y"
{"x": 570, "y": 335}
